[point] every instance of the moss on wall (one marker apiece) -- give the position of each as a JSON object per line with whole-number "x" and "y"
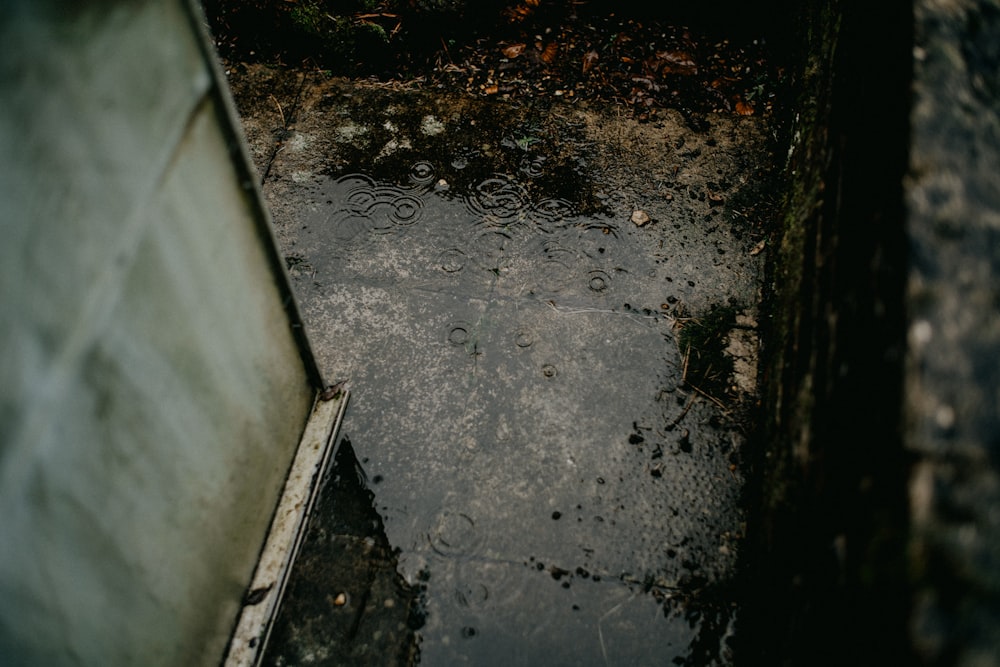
{"x": 789, "y": 356}
{"x": 830, "y": 549}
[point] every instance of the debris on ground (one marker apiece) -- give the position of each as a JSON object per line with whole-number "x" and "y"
{"x": 573, "y": 51}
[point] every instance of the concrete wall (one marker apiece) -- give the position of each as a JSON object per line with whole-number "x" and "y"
{"x": 152, "y": 386}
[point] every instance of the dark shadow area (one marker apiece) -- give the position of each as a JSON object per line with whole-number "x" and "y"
{"x": 346, "y": 595}
{"x": 725, "y": 57}
{"x": 353, "y": 34}
{"x": 831, "y": 576}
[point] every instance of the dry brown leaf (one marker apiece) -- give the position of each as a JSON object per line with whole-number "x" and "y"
{"x": 589, "y": 59}
{"x": 514, "y": 50}
{"x": 550, "y": 53}
{"x": 677, "y": 62}
{"x": 520, "y": 12}
{"x": 491, "y": 89}
{"x": 743, "y": 109}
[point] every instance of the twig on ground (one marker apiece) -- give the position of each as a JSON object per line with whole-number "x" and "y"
{"x": 281, "y": 111}
{"x": 678, "y": 418}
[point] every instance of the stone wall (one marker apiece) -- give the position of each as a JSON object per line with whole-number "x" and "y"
{"x": 952, "y": 403}
{"x": 832, "y": 527}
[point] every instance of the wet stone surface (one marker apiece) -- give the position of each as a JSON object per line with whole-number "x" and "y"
{"x": 557, "y": 466}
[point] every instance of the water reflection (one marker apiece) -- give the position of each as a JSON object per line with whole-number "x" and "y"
{"x": 346, "y": 603}
{"x": 502, "y": 349}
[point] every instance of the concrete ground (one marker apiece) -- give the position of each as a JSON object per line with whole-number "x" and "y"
{"x": 546, "y": 314}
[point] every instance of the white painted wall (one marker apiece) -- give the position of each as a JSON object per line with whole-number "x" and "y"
{"x": 152, "y": 390}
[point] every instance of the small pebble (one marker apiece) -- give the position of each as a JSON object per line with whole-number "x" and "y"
{"x": 640, "y": 218}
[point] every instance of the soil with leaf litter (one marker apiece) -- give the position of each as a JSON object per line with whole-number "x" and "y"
{"x": 574, "y": 51}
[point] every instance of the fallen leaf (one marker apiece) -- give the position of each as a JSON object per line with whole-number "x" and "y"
{"x": 491, "y": 89}
{"x": 333, "y": 391}
{"x": 520, "y": 12}
{"x": 677, "y": 62}
{"x": 589, "y": 59}
{"x": 743, "y": 109}
{"x": 514, "y": 50}
{"x": 256, "y": 596}
{"x": 550, "y": 53}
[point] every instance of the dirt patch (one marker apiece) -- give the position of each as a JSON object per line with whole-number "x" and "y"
{"x": 698, "y": 63}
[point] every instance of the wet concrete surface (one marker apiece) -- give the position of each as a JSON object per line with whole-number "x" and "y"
{"x": 547, "y": 317}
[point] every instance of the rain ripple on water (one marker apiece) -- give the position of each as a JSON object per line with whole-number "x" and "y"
{"x": 497, "y": 284}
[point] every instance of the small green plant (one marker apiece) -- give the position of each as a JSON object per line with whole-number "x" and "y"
{"x": 376, "y": 30}
{"x": 342, "y": 32}
{"x": 757, "y": 92}
{"x": 307, "y": 17}
{"x": 524, "y": 143}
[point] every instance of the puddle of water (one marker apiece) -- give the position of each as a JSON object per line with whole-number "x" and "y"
{"x": 515, "y": 382}
{"x": 549, "y": 484}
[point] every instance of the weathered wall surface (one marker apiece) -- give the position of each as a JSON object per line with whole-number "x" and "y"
{"x": 832, "y": 530}
{"x": 152, "y": 390}
{"x": 953, "y": 365}
{"x": 881, "y": 515}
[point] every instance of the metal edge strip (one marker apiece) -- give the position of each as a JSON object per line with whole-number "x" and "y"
{"x": 288, "y": 527}
{"x": 247, "y": 177}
